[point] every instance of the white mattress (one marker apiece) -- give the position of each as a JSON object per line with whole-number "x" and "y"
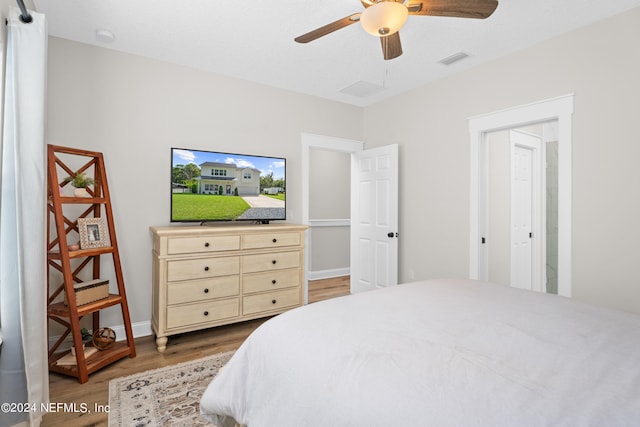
{"x": 435, "y": 353}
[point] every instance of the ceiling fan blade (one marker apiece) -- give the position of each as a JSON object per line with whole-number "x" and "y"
{"x": 329, "y": 28}
{"x": 479, "y": 9}
{"x": 391, "y": 46}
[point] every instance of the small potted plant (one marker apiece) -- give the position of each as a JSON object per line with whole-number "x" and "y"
{"x": 80, "y": 181}
{"x": 86, "y": 335}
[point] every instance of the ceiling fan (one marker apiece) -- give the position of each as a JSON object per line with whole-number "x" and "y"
{"x": 384, "y": 18}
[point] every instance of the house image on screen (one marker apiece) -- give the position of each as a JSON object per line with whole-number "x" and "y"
{"x": 226, "y": 178}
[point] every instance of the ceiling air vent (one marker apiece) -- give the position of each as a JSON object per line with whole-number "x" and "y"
{"x": 453, "y": 58}
{"x": 362, "y": 89}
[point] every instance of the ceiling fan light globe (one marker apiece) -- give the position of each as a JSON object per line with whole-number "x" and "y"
{"x": 384, "y": 18}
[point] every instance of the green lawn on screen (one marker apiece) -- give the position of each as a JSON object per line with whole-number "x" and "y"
{"x": 187, "y": 206}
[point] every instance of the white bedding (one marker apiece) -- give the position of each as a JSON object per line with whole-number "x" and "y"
{"x": 435, "y": 353}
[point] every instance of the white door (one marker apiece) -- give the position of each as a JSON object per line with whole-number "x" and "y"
{"x": 526, "y": 233}
{"x": 374, "y": 218}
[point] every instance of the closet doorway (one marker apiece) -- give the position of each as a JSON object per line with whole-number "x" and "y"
{"x": 481, "y": 252}
{"x": 522, "y": 205}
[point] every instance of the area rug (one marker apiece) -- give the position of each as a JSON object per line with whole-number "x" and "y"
{"x": 168, "y": 396}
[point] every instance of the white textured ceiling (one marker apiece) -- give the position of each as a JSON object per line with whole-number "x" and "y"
{"x": 253, "y": 40}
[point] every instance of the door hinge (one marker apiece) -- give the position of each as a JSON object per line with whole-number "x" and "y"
{"x": 530, "y": 235}
{"x": 483, "y": 240}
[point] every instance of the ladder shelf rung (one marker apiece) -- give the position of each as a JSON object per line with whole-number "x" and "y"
{"x": 60, "y": 309}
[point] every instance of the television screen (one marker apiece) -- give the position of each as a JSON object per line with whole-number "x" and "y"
{"x": 217, "y": 186}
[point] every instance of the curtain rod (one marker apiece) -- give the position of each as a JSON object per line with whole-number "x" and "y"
{"x": 24, "y": 15}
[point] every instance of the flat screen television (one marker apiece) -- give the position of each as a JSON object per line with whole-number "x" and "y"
{"x": 217, "y": 186}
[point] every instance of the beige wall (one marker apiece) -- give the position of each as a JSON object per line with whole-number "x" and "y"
{"x": 329, "y": 199}
{"x": 134, "y": 109}
{"x": 498, "y": 204}
{"x": 600, "y": 64}
{"x": 329, "y": 184}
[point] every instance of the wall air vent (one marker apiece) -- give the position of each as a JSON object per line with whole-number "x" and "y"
{"x": 453, "y": 58}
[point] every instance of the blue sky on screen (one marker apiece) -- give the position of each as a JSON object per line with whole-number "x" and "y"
{"x": 265, "y": 165}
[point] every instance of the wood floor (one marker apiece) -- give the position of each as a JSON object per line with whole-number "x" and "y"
{"x": 181, "y": 348}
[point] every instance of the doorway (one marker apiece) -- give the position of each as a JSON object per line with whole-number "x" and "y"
{"x": 482, "y": 215}
{"x": 522, "y": 195}
{"x": 373, "y": 210}
{"x": 334, "y": 226}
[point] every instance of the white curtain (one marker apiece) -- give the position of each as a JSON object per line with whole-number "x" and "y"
{"x": 23, "y": 220}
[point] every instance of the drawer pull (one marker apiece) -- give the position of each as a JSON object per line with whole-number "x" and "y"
{"x": 206, "y": 313}
{"x": 273, "y": 282}
{"x": 274, "y": 240}
{"x": 206, "y": 290}
{"x": 273, "y": 262}
{"x": 206, "y": 244}
{"x": 206, "y": 268}
{"x": 273, "y": 301}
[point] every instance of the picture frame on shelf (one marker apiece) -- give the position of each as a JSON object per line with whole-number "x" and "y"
{"x": 93, "y": 233}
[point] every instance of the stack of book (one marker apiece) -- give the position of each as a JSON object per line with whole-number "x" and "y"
{"x": 90, "y": 291}
{"x": 70, "y": 359}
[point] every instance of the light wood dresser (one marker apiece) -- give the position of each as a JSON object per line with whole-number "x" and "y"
{"x": 210, "y": 276}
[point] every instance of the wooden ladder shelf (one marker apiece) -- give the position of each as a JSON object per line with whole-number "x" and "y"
{"x": 69, "y": 265}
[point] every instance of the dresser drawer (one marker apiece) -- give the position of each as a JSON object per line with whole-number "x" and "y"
{"x": 199, "y": 268}
{"x": 201, "y": 313}
{"x": 270, "y": 280}
{"x": 272, "y": 261}
{"x": 202, "y": 289}
{"x": 202, "y": 244}
{"x": 276, "y": 300}
{"x": 270, "y": 240}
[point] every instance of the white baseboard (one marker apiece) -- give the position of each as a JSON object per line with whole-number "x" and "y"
{"x": 327, "y": 274}
{"x": 139, "y": 329}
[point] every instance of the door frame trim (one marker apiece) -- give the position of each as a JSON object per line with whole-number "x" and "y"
{"x": 560, "y": 109}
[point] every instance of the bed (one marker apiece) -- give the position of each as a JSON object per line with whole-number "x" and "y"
{"x": 435, "y": 353}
